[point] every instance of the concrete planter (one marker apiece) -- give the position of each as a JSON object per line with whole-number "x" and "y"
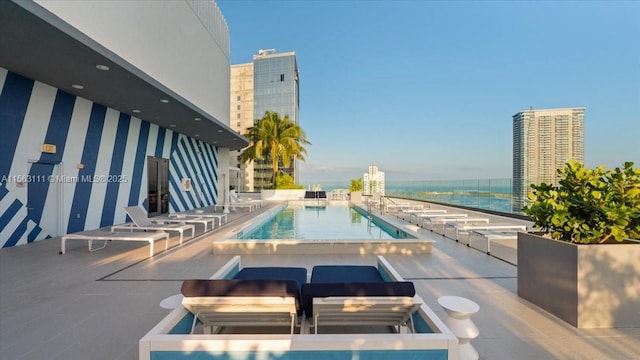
{"x": 588, "y": 286}
{"x": 356, "y": 197}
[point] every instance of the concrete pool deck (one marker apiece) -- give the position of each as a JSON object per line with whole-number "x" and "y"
{"x": 98, "y": 305}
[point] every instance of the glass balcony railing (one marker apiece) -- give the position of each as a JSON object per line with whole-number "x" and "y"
{"x": 486, "y": 194}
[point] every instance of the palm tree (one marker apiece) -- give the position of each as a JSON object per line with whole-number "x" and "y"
{"x": 274, "y": 138}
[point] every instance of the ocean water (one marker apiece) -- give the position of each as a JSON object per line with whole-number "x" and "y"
{"x": 488, "y": 194}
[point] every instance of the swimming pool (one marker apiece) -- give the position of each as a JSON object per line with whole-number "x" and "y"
{"x": 323, "y": 222}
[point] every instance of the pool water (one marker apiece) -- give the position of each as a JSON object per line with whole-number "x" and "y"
{"x": 323, "y": 222}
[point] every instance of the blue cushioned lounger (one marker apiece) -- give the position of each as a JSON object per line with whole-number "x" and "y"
{"x": 256, "y": 296}
{"x": 324, "y": 290}
{"x": 357, "y": 295}
{"x": 217, "y": 303}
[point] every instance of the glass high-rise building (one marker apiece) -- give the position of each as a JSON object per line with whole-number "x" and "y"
{"x": 544, "y": 141}
{"x": 274, "y": 88}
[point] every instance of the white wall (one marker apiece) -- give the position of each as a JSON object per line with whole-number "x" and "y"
{"x": 165, "y": 39}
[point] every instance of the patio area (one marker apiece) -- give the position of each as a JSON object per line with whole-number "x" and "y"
{"x": 98, "y": 305}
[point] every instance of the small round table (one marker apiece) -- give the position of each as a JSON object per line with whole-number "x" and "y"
{"x": 459, "y": 311}
{"x": 172, "y": 302}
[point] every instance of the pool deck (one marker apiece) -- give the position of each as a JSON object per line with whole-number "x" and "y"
{"x": 97, "y": 305}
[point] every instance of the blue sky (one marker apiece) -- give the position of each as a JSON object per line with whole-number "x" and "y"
{"x": 426, "y": 90}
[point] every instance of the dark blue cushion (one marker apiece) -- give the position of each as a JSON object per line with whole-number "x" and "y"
{"x": 345, "y": 273}
{"x": 322, "y": 290}
{"x": 299, "y": 275}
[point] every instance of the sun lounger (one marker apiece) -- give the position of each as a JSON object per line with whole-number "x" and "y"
{"x": 233, "y": 205}
{"x": 481, "y": 239}
{"x": 352, "y": 304}
{"x": 218, "y": 303}
{"x": 222, "y": 218}
{"x": 140, "y": 214}
{"x": 141, "y": 222}
{"x": 235, "y": 202}
{"x": 421, "y": 218}
{"x": 423, "y": 211}
{"x": 437, "y": 224}
{"x": 409, "y": 213}
{"x": 99, "y": 235}
{"x": 206, "y": 222}
{"x": 454, "y": 230}
{"x": 396, "y": 206}
{"x": 256, "y": 296}
{"x": 356, "y": 296}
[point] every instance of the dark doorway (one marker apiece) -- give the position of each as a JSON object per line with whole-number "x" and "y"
{"x": 158, "y": 185}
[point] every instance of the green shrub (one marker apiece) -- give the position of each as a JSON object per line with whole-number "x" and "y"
{"x": 588, "y": 205}
{"x": 355, "y": 185}
{"x": 285, "y": 182}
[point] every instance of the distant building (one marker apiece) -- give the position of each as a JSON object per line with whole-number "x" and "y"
{"x": 270, "y": 83}
{"x": 241, "y": 120}
{"x": 373, "y": 182}
{"x": 543, "y": 141}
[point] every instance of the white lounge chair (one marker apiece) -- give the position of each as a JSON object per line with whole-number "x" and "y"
{"x": 405, "y": 214}
{"x": 219, "y": 303}
{"x": 481, "y": 239}
{"x": 106, "y": 236}
{"x": 142, "y": 222}
{"x": 454, "y": 230}
{"x": 421, "y": 218}
{"x": 140, "y": 213}
{"x": 236, "y": 200}
{"x": 423, "y": 211}
{"x": 394, "y": 206}
{"x": 184, "y": 219}
{"x": 175, "y": 219}
{"x": 369, "y": 303}
{"x": 437, "y": 224}
{"x": 233, "y": 205}
{"x": 390, "y": 311}
{"x": 222, "y": 218}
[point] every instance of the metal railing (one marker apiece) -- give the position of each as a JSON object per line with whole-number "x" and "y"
{"x": 487, "y": 194}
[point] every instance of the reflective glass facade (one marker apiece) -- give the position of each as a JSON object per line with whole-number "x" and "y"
{"x": 275, "y": 78}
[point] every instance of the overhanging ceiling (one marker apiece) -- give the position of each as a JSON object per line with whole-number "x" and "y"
{"x": 38, "y": 45}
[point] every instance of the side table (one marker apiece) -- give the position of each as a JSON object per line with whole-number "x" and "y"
{"x": 459, "y": 311}
{"x": 172, "y": 302}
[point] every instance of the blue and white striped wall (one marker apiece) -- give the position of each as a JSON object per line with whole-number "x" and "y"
{"x": 43, "y": 195}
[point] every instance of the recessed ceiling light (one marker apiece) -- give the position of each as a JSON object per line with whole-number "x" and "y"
{"x": 164, "y": 101}
{"x": 136, "y": 111}
{"x": 197, "y": 119}
{"x": 219, "y": 130}
{"x": 172, "y": 125}
{"x": 102, "y": 67}
{"x": 77, "y": 86}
